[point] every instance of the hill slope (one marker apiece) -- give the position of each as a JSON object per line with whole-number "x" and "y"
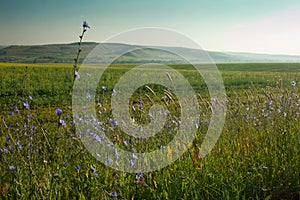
{"x": 65, "y": 53}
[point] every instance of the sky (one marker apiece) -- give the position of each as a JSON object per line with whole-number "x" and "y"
{"x": 268, "y": 26}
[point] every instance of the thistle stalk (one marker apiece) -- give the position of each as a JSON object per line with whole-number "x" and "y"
{"x": 85, "y": 26}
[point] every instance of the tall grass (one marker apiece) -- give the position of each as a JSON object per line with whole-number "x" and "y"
{"x": 256, "y": 157}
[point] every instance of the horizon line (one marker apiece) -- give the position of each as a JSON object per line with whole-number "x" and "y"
{"x": 208, "y": 50}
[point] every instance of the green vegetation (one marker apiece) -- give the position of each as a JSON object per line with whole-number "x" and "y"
{"x": 64, "y": 53}
{"x": 256, "y": 157}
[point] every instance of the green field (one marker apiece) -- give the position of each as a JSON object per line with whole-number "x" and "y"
{"x": 256, "y": 157}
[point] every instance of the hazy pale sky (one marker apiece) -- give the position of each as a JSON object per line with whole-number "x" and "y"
{"x": 268, "y": 26}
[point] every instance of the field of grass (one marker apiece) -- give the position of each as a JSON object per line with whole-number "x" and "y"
{"x": 256, "y": 157}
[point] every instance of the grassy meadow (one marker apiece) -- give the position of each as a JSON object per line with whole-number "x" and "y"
{"x": 256, "y": 157}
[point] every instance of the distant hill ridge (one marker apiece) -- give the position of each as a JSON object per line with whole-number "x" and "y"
{"x": 65, "y": 53}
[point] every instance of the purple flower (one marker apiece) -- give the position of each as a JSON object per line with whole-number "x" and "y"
{"x": 134, "y": 156}
{"x": 78, "y": 167}
{"x": 113, "y": 122}
{"x": 25, "y": 104}
{"x": 30, "y": 98}
{"x": 131, "y": 163}
{"x": 96, "y": 175}
{"x": 93, "y": 168}
{"x": 125, "y": 142}
{"x": 62, "y": 122}
{"x": 130, "y": 141}
{"x": 133, "y": 108}
{"x": 4, "y": 150}
{"x": 77, "y": 76}
{"x": 16, "y": 108}
{"x": 20, "y": 146}
{"x": 58, "y": 111}
{"x": 140, "y": 173}
{"x": 140, "y": 106}
{"x": 116, "y": 152}
{"x": 114, "y": 194}
{"x": 10, "y": 113}
{"x": 108, "y": 161}
{"x": 12, "y": 168}
{"x": 85, "y": 25}
{"x": 139, "y": 176}
{"x": 88, "y": 95}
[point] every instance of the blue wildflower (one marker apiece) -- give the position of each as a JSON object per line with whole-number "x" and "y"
{"x": 113, "y": 122}
{"x": 140, "y": 106}
{"x": 125, "y": 142}
{"x": 85, "y": 25}
{"x": 58, "y": 111}
{"x": 108, "y": 161}
{"x": 78, "y": 167}
{"x": 140, "y": 173}
{"x": 96, "y": 175}
{"x": 25, "y": 104}
{"x": 4, "y": 150}
{"x": 134, "y": 156}
{"x": 11, "y": 114}
{"x": 16, "y": 109}
{"x": 12, "y": 168}
{"x": 114, "y": 93}
{"x": 139, "y": 176}
{"x": 116, "y": 152}
{"x": 77, "y": 76}
{"x": 93, "y": 168}
{"x": 7, "y": 139}
{"x": 133, "y": 108}
{"x": 88, "y": 95}
{"x": 20, "y": 146}
{"x": 114, "y": 194}
{"x": 131, "y": 163}
{"x": 130, "y": 141}
{"x": 62, "y": 122}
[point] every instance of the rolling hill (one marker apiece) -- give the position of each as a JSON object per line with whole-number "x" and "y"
{"x": 65, "y": 53}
